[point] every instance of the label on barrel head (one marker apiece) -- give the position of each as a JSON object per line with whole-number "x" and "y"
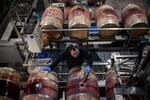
{"x": 58, "y": 4}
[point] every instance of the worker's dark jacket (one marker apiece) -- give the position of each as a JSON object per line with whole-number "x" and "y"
{"x": 72, "y": 62}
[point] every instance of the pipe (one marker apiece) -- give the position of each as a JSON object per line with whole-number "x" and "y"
{"x": 95, "y": 29}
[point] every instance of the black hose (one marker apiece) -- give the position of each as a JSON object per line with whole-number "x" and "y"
{"x": 146, "y": 60}
{"x": 139, "y": 58}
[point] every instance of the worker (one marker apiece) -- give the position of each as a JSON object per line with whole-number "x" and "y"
{"x": 75, "y": 56}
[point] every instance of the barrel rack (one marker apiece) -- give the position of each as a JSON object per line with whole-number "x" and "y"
{"x": 125, "y": 46}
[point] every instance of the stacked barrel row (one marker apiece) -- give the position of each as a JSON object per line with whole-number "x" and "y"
{"x": 53, "y": 18}
{"x": 105, "y": 17}
{"x": 40, "y": 85}
{"x": 43, "y": 85}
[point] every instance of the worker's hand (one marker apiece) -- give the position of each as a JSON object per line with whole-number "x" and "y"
{"x": 87, "y": 69}
{"x": 46, "y": 68}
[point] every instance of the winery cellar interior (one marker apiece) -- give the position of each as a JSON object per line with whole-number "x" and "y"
{"x": 116, "y": 33}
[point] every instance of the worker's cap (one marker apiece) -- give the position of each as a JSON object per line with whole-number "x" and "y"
{"x": 73, "y": 46}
